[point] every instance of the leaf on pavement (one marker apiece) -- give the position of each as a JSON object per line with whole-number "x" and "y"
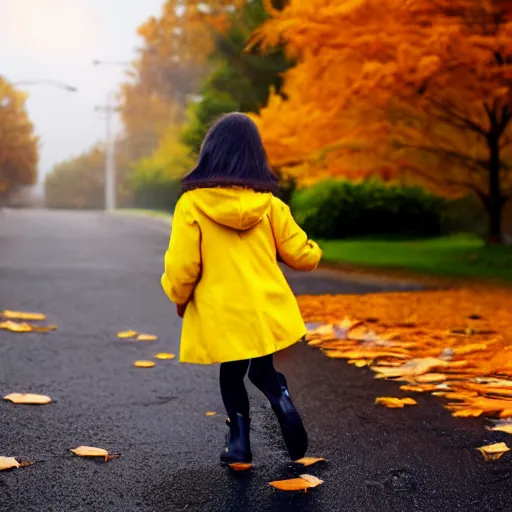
{"x": 21, "y": 315}
{"x": 309, "y": 461}
{"x": 211, "y": 413}
{"x": 10, "y": 325}
{"x": 144, "y": 364}
{"x": 146, "y": 337}
{"x": 165, "y": 355}
{"x": 127, "y": 334}
{"x": 493, "y": 451}
{"x": 240, "y": 466}
{"x": 44, "y": 328}
{"x": 28, "y": 398}
{"x": 91, "y": 451}
{"x": 302, "y": 483}
{"x": 507, "y": 428}
{"x": 394, "y": 403}
{"x": 8, "y": 463}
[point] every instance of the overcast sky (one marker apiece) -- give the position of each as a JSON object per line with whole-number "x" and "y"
{"x": 58, "y": 40}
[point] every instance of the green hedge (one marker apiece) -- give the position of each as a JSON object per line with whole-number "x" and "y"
{"x": 336, "y": 209}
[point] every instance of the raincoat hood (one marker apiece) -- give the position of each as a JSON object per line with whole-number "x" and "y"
{"x": 236, "y": 208}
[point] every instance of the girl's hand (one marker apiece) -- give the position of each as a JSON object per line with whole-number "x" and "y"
{"x": 180, "y": 309}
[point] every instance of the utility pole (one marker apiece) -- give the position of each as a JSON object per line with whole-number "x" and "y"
{"x": 110, "y": 147}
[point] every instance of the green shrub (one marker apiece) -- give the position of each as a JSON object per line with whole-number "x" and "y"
{"x": 336, "y": 209}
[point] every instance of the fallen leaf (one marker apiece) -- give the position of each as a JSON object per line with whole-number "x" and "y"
{"x": 493, "y": 451}
{"x": 309, "y": 461}
{"x": 28, "y": 398}
{"x": 144, "y": 364}
{"x": 90, "y": 451}
{"x": 313, "y": 480}
{"x": 503, "y": 428}
{"x": 394, "y": 403}
{"x": 240, "y": 466}
{"x": 44, "y": 328}
{"x": 211, "y": 413}
{"x": 165, "y": 355}
{"x": 10, "y": 325}
{"x": 8, "y": 463}
{"x": 297, "y": 484}
{"x": 126, "y": 334}
{"x": 20, "y": 315}
{"x": 146, "y": 337}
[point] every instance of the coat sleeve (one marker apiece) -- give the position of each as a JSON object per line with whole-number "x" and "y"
{"x": 293, "y": 245}
{"x": 183, "y": 257}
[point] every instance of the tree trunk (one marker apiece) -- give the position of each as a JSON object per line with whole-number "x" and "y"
{"x": 495, "y": 200}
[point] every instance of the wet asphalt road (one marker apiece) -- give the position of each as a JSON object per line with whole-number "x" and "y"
{"x": 94, "y": 275}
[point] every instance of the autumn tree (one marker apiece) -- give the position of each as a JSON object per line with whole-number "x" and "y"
{"x": 238, "y": 81}
{"x": 422, "y": 87}
{"x": 18, "y": 144}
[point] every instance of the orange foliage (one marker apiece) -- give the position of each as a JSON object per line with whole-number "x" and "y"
{"x": 456, "y": 344}
{"x": 425, "y": 85}
{"x": 18, "y": 144}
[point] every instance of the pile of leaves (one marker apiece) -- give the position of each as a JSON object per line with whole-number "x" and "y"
{"x": 455, "y": 344}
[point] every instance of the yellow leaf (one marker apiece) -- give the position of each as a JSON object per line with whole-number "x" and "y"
{"x": 507, "y": 428}
{"x": 309, "y": 461}
{"x": 146, "y": 337}
{"x": 90, "y": 451}
{"x": 8, "y": 463}
{"x": 394, "y": 403}
{"x": 28, "y": 398}
{"x": 126, "y": 334}
{"x": 493, "y": 451}
{"x": 20, "y": 315}
{"x": 144, "y": 364}
{"x": 468, "y": 413}
{"x": 297, "y": 484}
{"x": 165, "y": 355}
{"x": 12, "y": 326}
{"x": 211, "y": 413}
{"x": 240, "y": 466}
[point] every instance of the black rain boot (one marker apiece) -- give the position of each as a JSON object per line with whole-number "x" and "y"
{"x": 294, "y": 433}
{"x": 238, "y": 444}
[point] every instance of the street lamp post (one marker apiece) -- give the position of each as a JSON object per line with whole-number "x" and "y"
{"x": 110, "y": 158}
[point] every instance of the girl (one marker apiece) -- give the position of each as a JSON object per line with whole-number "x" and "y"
{"x": 221, "y": 270}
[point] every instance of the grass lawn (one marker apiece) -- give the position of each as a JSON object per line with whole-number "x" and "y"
{"x": 454, "y": 256}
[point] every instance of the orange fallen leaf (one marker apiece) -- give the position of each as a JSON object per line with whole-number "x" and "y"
{"x": 21, "y": 315}
{"x": 165, "y": 355}
{"x": 309, "y": 461}
{"x": 240, "y": 466}
{"x": 146, "y": 337}
{"x": 493, "y": 451}
{"x": 394, "y": 403}
{"x": 302, "y": 483}
{"x": 144, "y": 364}
{"x": 28, "y": 399}
{"x": 126, "y": 334}
{"x": 91, "y": 451}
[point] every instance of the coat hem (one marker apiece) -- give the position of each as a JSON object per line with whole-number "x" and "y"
{"x": 278, "y": 347}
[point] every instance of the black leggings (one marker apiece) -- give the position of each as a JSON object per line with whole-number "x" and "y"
{"x": 261, "y": 373}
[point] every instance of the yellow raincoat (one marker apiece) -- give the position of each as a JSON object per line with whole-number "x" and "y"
{"x": 221, "y": 262}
